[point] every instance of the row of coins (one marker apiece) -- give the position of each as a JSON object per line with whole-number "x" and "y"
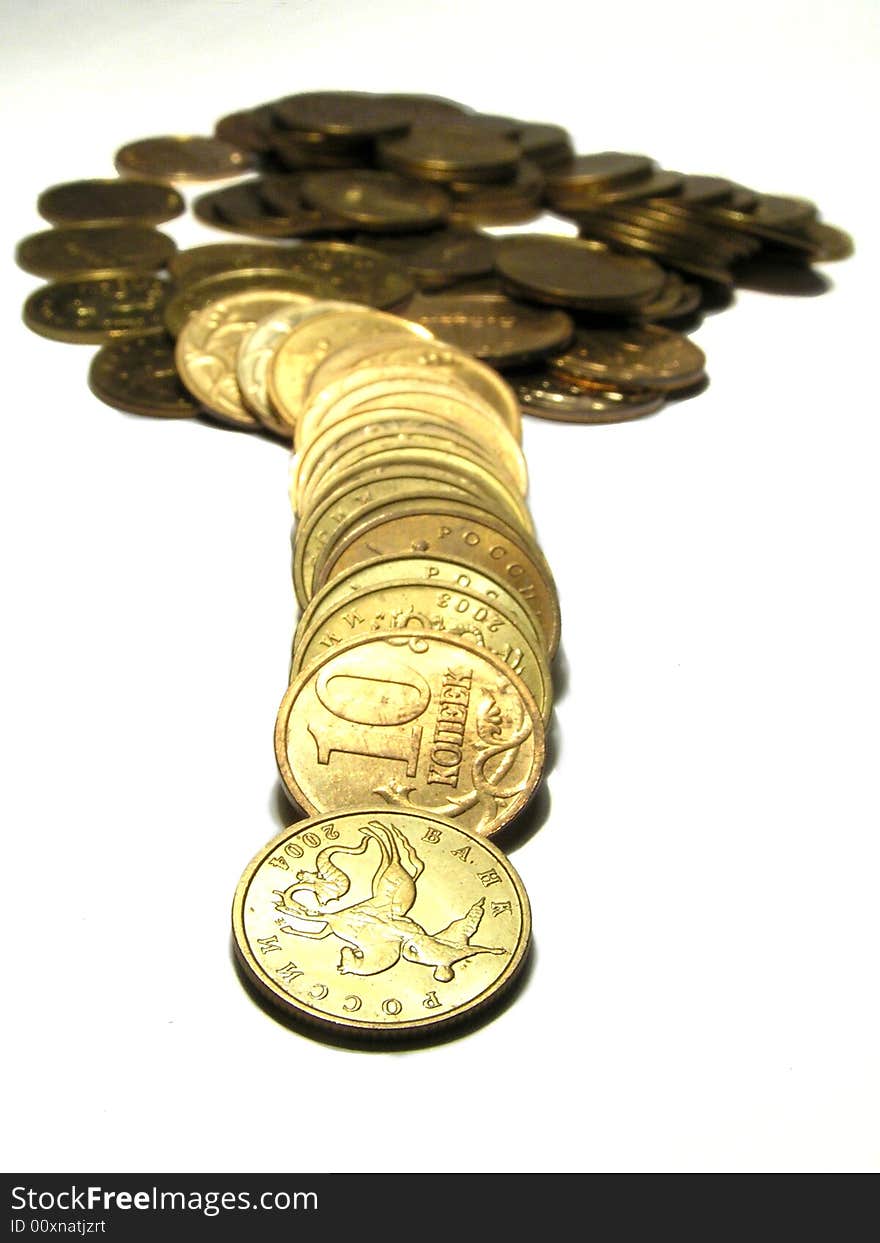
{"x": 413, "y": 726}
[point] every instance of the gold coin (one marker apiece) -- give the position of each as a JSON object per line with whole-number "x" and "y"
{"x": 461, "y": 533}
{"x": 638, "y": 357}
{"x": 491, "y": 326}
{"x": 308, "y": 344}
{"x": 419, "y": 721}
{"x": 138, "y": 374}
{"x": 439, "y": 361}
{"x": 358, "y": 433}
{"x": 473, "y": 474}
{"x": 318, "y": 532}
{"x": 188, "y": 157}
{"x": 110, "y": 201}
{"x": 221, "y": 285}
{"x": 380, "y": 923}
{"x": 91, "y": 312}
{"x": 207, "y": 349}
{"x": 404, "y": 604}
{"x": 547, "y": 395}
{"x": 450, "y": 579}
{"x": 79, "y": 254}
{"x": 257, "y": 352}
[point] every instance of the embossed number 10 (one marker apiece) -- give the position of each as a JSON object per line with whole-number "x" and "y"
{"x": 372, "y": 715}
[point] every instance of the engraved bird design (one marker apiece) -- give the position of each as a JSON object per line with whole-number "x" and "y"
{"x": 378, "y": 931}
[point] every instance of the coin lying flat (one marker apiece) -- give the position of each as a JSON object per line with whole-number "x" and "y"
{"x": 547, "y": 395}
{"x": 441, "y": 257}
{"x": 208, "y": 344}
{"x": 597, "y": 173}
{"x": 76, "y": 253}
{"x": 382, "y": 201}
{"x": 491, "y": 326}
{"x": 139, "y": 375}
{"x": 242, "y": 208}
{"x": 197, "y": 262}
{"x": 188, "y": 157}
{"x": 422, "y": 721}
{"x": 350, "y": 114}
{"x": 109, "y": 201}
{"x": 94, "y": 311}
{"x": 380, "y": 923}
{"x": 645, "y": 357}
{"x": 573, "y": 272}
{"x": 444, "y": 153}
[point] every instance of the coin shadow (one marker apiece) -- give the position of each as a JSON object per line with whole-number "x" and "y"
{"x": 285, "y": 812}
{"x": 693, "y": 390}
{"x": 765, "y": 274}
{"x": 413, "y": 1043}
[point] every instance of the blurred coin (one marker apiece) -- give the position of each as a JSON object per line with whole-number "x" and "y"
{"x": 207, "y": 349}
{"x": 383, "y": 201}
{"x": 109, "y": 201}
{"x": 828, "y": 243}
{"x": 76, "y": 253}
{"x": 573, "y": 272}
{"x": 492, "y": 327}
{"x": 182, "y": 158}
{"x": 95, "y": 311}
{"x": 645, "y": 357}
{"x": 242, "y": 209}
{"x": 200, "y": 261}
{"x": 548, "y": 396}
{"x": 251, "y": 129}
{"x": 600, "y": 172}
{"x": 441, "y": 257}
{"x": 446, "y": 153}
{"x": 548, "y": 146}
{"x": 139, "y": 375}
{"x": 223, "y": 285}
{"x": 350, "y": 114}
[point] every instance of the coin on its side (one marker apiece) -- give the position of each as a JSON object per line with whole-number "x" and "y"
{"x": 78, "y": 254}
{"x": 419, "y": 721}
{"x": 207, "y": 349}
{"x": 303, "y": 350}
{"x": 380, "y": 923}
{"x": 94, "y": 311}
{"x": 190, "y": 157}
{"x": 139, "y": 375}
{"x": 464, "y": 533}
{"x": 110, "y": 201}
{"x": 403, "y": 604}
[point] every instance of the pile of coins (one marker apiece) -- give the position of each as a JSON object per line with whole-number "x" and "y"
{"x": 413, "y": 727}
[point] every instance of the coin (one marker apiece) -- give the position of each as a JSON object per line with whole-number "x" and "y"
{"x": 572, "y": 272}
{"x": 829, "y": 244}
{"x": 597, "y": 173}
{"x": 200, "y": 261}
{"x": 94, "y": 311}
{"x": 109, "y": 201}
{"x": 444, "y": 153}
{"x": 176, "y": 157}
{"x": 548, "y": 146}
{"x": 200, "y": 293}
{"x": 441, "y": 257}
{"x": 376, "y": 200}
{"x": 207, "y": 349}
{"x": 251, "y": 129}
{"x": 491, "y": 326}
{"x": 257, "y": 352}
{"x": 547, "y": 395}
{"x": 646, "y": 357}
{"x": 404, "y": 604}
{"x": 317, "y": 532}
{"x": 462, "y": 533}
{"x": 308, "y": 344}
{"x": 356, "y": 436}
{"x": 436, "y": 358}
{"x": 350, "y": 114}
{"x": 450, "y": 579}
{"x": 420, "y": 721}
{"x": 75, "y": 254}
{"x": 138, "y": 374}
{"x": 362, "y": 922}
{"x": 241, "y": 208}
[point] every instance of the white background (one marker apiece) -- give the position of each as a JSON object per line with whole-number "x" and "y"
{"x": 704, "y": 885}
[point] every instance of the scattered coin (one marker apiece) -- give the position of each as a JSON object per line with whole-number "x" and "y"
{"x": 77, "y": 253}
{"x": 638, "y": 358}
{"x": 182, "y": 158}
{"x": 94, "y": 311}
{"x": 109, "y": 201}
{"x": 382, "y": 201}
{"x": 492, "y": 327}
{"x": 139, "y": 375}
